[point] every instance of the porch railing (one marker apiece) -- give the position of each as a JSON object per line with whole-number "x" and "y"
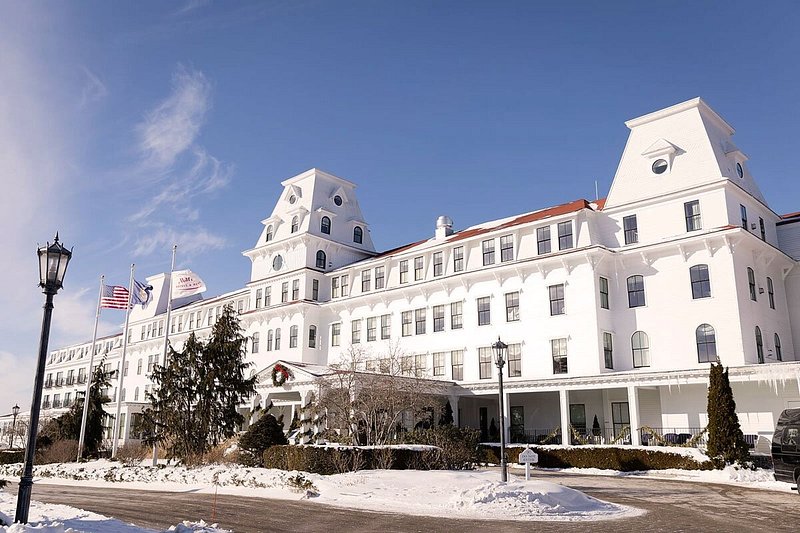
{"x": 672, "y": 436}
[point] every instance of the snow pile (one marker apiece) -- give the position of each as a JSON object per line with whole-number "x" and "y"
{"x": 197, "y": 527}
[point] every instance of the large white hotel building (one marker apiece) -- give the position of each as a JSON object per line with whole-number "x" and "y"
{"x": 611, "y": 308}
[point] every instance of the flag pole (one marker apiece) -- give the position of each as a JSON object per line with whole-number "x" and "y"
{"x": 90, "y": 373}
{"x": 115, "y": 431}
{"x": 166, "y": 332}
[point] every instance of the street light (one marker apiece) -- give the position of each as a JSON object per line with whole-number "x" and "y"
{"x": 500, "y": 360}
{"x": 15, "y": 412}
{"x": 53, "y": 261}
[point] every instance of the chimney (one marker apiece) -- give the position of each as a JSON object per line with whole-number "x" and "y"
{"x": 444, "y": 227}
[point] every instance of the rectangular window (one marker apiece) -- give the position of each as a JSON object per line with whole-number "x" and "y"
{"x": 565, "y": 235}
{"x": 751, "y": 281}
{"x": 631, "y": 229}
{"x": 438, "y": 318}
{"x": 285, "y": 292}
{"x": 180, "y": 324}
{"x": 419, "y": 320}
{"x": 485, "y": 362}
{"x": 771, "y": 293}
{"x": 608, "y": 350}
{"x": 161, "y": 324}
{"x": 420, "y": 364}
{"x": 559, "y": 350}
{"x": 345, "y": 285}
{"x": 315, "y": 290}
{"x": 406, "y": 365}
{"x": 543, "y": 240}
{"x": 277, "y": 338}
{"x": 456, "y": 315}
{"x": 701, "y": 283}
{"x": 404, "y": 271}
{"x": 259, "y": 296}
{"x": 336, "y": 333}
{"x": 143, "y": 330}
{"x": 386, "y": 327}
{"x": 267, "y": 296}
{"x": 293, "y": 337}
{"x": 438, "y": 363}
{"x": 366, "y": 280}
{"x": 437, "y": 264}
{"x": 488, "y": 252}
{"x": 636, "y": 291}
{"x": 506, "y": 248}
{"x": 514, "y": 360}
{"x": 458, "y": 259}
{"x": 191, "y": 320}
{"x": 762, "y": 228}
{"x": 334, "y": 287}
{"x": 255, "y": 345}
{"x": 419, "y": 265}
{"x": 355, "y": 331}
{"x": 379, "y": 278}
{"x": 556, "y": 299}
{"x": 691, "y": 211}
{"x": 457, "y": 365}
{"x": 484, "y": 311}
{"x": 372, "y": 329}
{"x": 604, "y": 293}
{"x": 512, "y": 306}
{"x": 405, "y": 319}
{"x": 743, "y": 211}
{"x": 270, "y": 340}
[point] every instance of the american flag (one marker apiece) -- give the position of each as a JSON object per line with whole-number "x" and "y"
{"x": 114, "y": 297}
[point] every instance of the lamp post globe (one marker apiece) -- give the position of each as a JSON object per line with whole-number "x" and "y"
{"x": 500, "y": 360}
{"x": 53, "y": 261}
{"x": 14, "y": 413}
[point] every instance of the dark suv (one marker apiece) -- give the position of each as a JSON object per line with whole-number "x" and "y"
{"x": 786, "y": 447}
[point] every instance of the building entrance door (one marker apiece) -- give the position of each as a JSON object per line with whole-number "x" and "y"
{"x": 517, "y": 424}
{"x": 621, "y": 418}
{"x": 483, "y": 415}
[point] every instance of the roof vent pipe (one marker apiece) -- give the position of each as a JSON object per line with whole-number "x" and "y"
{"x": 444, "y": 227}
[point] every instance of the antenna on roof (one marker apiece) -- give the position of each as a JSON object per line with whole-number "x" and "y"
{"x": 596, "y": 194}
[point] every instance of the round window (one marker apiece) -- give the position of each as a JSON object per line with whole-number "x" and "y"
{"x": 337, "y": 200}
{"x": 659, "y": 166}
{"x": 739, "y": 170}
{"x": 292, "y": 199}
{"x": 277, "y": 262}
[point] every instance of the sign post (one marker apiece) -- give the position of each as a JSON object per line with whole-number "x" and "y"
{"x": 528, "y": 456}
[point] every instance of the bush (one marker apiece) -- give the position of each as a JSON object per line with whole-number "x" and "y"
{"x": 226, "y": 452}
{"x": 61, "y": 451}
{"x": 334, "y": 460}
{"x": 459, "y": 447}
{"x": 7, "y": 458}
{"x": 132, "y": 454}
{"x": 266, "y": 432}
{"x": 605, "y": 457}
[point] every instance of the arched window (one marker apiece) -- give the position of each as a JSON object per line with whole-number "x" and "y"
{"x": 640, "y": 343}
{"x": 269, "y": 340}
{"x": 701, "y": 284}
{"x": 751, "y": 281}
{"x": 312, "y": 336}
{"x": 277, "y": 338}
{"x": 778, "y": 352}
{"x": 759, "y": 345}
{"x": 706, "y": 344}
{"x": 771, "y": 293}
{"x": 321, "y": 259}
{"x": 358, "y": 235}
{"x": 269, "y": 233}
{"x": 325, "y": 225}
{"x": 295, "y": 224}
{"x": 635, "y": 291}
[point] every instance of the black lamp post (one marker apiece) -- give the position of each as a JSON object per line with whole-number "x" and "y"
{"x": 15, "y": 412}
{"x": 53, "y": 261}
{"x": 500, "y": 360}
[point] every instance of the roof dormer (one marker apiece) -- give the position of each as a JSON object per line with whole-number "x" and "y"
{"x": 661, "y": 154}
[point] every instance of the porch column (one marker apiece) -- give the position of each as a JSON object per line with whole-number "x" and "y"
{"x": 454, "y": 406}
{"x": 633, "y": 408}
{"x": 566, "y": 435}
{"x": 305, "y": 418}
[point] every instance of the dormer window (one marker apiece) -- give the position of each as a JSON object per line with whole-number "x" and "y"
{"x": 269, "y": 233}
{"x": 660, "y": 166}
{"x": 325, "y": 225}
{"x": 358, "y": 235}
{"x": 739, "y": 170}
{"x": 292, "y": 199}
{"x": 295, "y": 224}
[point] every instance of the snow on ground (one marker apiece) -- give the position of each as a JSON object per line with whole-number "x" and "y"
{"x": 52, "y": 518}
{"x": 470, "y": 494}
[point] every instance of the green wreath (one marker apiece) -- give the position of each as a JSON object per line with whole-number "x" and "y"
{"x": 280, "y": 374}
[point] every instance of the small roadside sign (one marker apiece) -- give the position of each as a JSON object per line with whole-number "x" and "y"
{"x": 528, "y": 456}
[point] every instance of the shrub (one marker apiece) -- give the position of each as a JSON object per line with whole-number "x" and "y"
{"x": 61, "y": 451}
{"x": 266, "y": 432}
{"x": 132, "y": 454}
{"x": 332, "y": 460}
{"x": 7, "y": 458}
{"x": 459, "y": 447}
{"x": 226, "y": 452}
{"x": 604, "y": 457}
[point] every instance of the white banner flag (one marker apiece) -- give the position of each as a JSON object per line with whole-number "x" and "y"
{"x": 186, "y": 283}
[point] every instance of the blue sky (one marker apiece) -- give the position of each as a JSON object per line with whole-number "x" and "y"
{"x": 130, "y": 126}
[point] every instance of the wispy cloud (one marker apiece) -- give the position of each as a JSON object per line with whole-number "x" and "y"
{"x": 192, "y": 242}
{"x": 189, "y": 6}
{"x": 94, "y": 90}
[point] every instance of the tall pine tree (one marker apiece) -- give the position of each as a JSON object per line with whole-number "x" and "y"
{"x": 198, "y": 390}
{"x": 725, "y": 438}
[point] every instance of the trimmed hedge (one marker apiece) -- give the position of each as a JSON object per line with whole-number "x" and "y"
{"x": 7, "y": 458}
{"x": 335, "y": 460}
{"x": 604, "y": 457}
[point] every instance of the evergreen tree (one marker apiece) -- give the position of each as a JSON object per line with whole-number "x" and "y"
{"x": 446, "y": 418}
{"x": 725, "y": 438}
{"x": 265, "y": 432}
{"x": 195, "y": 403}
